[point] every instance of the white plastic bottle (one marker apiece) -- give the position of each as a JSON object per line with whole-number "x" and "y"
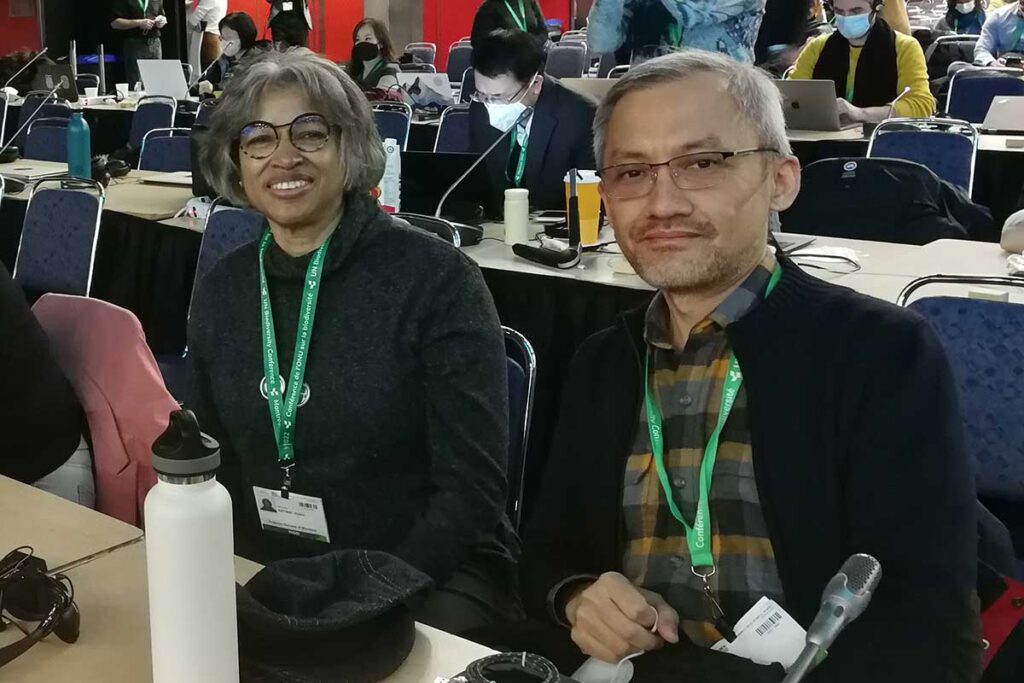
{"x": 517, "y": 216}
{"x": 190, "y": 560}
{"x": 391, "y": 183}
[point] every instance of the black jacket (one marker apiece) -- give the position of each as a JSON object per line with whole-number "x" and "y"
{"x": 405, "y": 433}
{"x": 858, "y": 447}
{"x": 492, "y": 15}
{"x": 561, "y": 137}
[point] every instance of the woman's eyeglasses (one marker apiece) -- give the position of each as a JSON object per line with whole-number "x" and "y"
{"x": 307, "y": 133}
{"x": 697, "y": 171}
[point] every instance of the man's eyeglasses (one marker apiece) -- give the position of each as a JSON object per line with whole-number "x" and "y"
{"x": 307, "y": 133}
{"x": 697, "y": 171}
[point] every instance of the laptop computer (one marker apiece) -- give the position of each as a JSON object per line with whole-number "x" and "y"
{"x": 425, "y": 90}
{"x": 61, "y": 75}
{"x": 811, "y": 105}
{"x": 163, "y": 77}
{"x": 31, "y": 170}
{"x": 183, "y": 178}
{"x": 1005, "y": 115}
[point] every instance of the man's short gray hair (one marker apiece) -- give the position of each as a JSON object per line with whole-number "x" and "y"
{"x": 757, "y": 98}
{"x": 331, "y": 93}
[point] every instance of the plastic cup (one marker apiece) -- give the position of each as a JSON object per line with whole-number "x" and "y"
{"x": 589, "y": 203}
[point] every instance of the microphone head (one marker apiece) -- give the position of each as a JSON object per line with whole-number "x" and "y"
{"x": 863, "y": 573}
{"x": 845, "y": 598}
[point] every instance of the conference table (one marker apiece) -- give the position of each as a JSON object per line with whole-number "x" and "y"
{"x": 111, "y": 593}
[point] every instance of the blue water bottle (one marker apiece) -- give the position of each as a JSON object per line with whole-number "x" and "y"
{"x": 79, "y": 147}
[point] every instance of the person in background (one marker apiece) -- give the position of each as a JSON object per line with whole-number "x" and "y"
{"x": 806, "y": 422}
{"x": 140, "y": 21}
{"x": 12, "y": 63}
{"x": 391, "y": 403}
{"x": 1002, "y": 33}
{"x": 870, "y": 64}
{"x": 641, "y": 29}
{"x": 237, "y": 33}
{"x": 895, "y": 14}
{"x": 555, "y": 136}
{"x": 203, "y": 19}
{"x": 515, "y": 15}
{"x": 374, "y": 64}
{"x": 40, "y": 417}
{"x": 963, "y": 17}
{"x": 290, "y": 22}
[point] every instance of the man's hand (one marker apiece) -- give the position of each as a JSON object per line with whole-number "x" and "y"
{"x": 611, "y": 619}
{"x": 160, "y": 21}
{"x": 849, "y": 112}
{"x": 146, "y": 24}
{"x": 1001, "y": 61}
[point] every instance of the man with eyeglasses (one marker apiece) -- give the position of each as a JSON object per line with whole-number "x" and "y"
{"x": 753, "y": 427}
{"x": 1002, "y": 37}
{"x": 555, "y": 134}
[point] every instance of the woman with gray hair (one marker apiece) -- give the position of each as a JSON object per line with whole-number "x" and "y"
{"x": 352, "y": 368}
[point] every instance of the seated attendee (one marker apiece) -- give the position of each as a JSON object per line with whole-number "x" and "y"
{"x": 401, "y": 432}
{"x": 963, "y": 17}
{"x": 289, "y": 22}
{"x": 518, "y": 15}
{"x": 237, "y": 36}
{"x": 1003, "y": 33}
{"x": 871, "y": 65}
{"x": 508, "y": 70}
{"x": 895, "y": 14}
{"x": 842, "y": 435}
{"x": 40, "y": 416}
{"x": 374, "y": 64}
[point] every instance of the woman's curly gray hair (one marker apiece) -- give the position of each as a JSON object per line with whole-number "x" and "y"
{"x": 330, "y": 91}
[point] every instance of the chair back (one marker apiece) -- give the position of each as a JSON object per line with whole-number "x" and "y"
{"x": 47, "y": 140}
{"x": 84, "y": 80}
{"x": 460, "y": 57}
{"x": 468, "y": 86}
{"x": 102, "y": 350}
{"x": 188, "y": 71}
{"x": 424, "y": 52}
{"x": 606, "y": 64}
{"x": 619, "y": 71}
{"x": 417, "y": 68}
{"x": 58, "y": 237}
{"x": 167, "y": 150}
{"x": 971, "y": 91}
{"x": 393, "y": 120}
{"x": 522, "y": 379}
{"x": 152, "y": 112}
{"x": 227, "y": 228}
{"x": 567, "y": 60}
{"x": 453, "y": 131}
{"x": 204, "y": 112}
{"x": 945, "y": 50}
{"x": 50, "y": 107}
{"x": 946, "y": 146}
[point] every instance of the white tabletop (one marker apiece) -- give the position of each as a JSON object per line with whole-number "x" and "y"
{"x": 999, "y": 143}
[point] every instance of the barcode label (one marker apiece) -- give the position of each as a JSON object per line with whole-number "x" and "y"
{"x": 308, "y": 506}
{"x": 769, "y": 623}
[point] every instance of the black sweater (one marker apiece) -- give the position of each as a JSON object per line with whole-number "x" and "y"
{"x": 858, "y": 447}
{"x": 405, "y": 433}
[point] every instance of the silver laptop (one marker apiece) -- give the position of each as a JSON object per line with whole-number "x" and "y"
{"x": 1005, "y": 115}
{"x": 424, "y": 90}
{"x": 163, "y": 77}
{"x": 811, "y": 105}
{"x": 183, "y": 178}
{"x": 31, "y": 170}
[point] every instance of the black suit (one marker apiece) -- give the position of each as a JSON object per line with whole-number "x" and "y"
{"x": 561, "y": 137}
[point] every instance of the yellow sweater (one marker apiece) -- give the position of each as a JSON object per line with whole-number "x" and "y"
{"x": 910, "y": 67}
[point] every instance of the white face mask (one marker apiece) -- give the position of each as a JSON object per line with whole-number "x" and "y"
{"x": 232, "y": 48}
{"x": 965, "y": 8}
{"x": 503, "y": 114}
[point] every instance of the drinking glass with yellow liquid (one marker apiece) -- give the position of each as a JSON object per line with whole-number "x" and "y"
{"x": 589, "y": 203}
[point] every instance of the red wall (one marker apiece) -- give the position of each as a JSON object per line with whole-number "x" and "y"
{"x": 21, "y": 33}
{"x": 339, "y": 18}
{"x": 455, "y": 19}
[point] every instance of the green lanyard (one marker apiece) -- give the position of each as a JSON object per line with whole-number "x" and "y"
{"x": 519, "y": 19}
{"x": 675, "y": 34}
{"x": 698, "y": 537}
{"x": 521, "y": 163}
{"x": 282, "y": 411}
{"x": 144, "y": 5}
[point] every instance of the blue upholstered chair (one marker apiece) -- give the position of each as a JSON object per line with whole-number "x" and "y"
{"x": 393, "y": 120}
{"x": 166, "y": 149}
{"x": 947, "y": 147}
{"x": 460, "y": 57}
{"x": 47, "y": 140}
{"x": 567, "y": 60}
{"x": 425, "y": 52}
{"x": 453, "y": 131}
{"x": 227, "y": 228}
{"x": 152, "y": 112}
{"x": 522, "y": 379}
{"x": 971, "y": 91}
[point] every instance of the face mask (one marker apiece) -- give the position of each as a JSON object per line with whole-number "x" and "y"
{"x": 365, "y": 52}
{"x": 232, "y": 48}
{"x": 965, "y": 8}
{"x": 854, "y": 26}
{"x": 503, "y": 114}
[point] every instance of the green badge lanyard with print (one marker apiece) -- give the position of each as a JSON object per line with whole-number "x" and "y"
{"x": 143, "y": 5}
{"x": 698, "y": 536}
{"x": 521, "y": 163}
{"x": 283, "y": 409}
{"x": 519, "y": 19}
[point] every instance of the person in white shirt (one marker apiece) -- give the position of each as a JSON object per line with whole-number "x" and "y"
{"x": 203, "y": 18}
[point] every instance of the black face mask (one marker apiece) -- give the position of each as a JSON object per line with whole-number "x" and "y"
{"x": 364, "y": 52}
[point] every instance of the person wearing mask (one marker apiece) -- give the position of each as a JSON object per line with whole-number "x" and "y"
{"x": 289, "y": 22}
{"x": 237, "y": 33}
{"x": 140, "y": 22}
{"x": 380, "y": 399}
{"x": 870, "y": 64}
{"x": 752, "y": 427}
{"x": 553, "y": 137}
{"x": 963, "y": 17}
{"x": 640, "y": 29}
{"x": 1002, "y": 34}
{"x": 374, "y": 64}
{"x": 517, "y": 15}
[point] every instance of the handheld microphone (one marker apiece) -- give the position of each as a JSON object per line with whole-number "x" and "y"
{"x": 30, "y": 62}
{"x": 563, "y": 259}
{"x": 844, "y": 599}
{"x": 28, "y": 121}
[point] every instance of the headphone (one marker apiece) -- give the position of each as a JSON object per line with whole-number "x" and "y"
{"x": 28, "y": 593}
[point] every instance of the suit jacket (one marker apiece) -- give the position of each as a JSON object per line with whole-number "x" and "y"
{"x": 276, "y": 7}
{"x": 561, "y": 137}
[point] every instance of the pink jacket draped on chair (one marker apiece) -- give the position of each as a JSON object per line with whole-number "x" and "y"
{"x": 102, "y": 350}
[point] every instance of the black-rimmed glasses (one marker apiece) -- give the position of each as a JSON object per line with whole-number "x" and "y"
{"x": 696, "y": 171}
{"x": 307, "y": 133}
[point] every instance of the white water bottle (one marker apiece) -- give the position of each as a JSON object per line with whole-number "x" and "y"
{"x": 190, "y": 560}
{"x": 391, "y": 183}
